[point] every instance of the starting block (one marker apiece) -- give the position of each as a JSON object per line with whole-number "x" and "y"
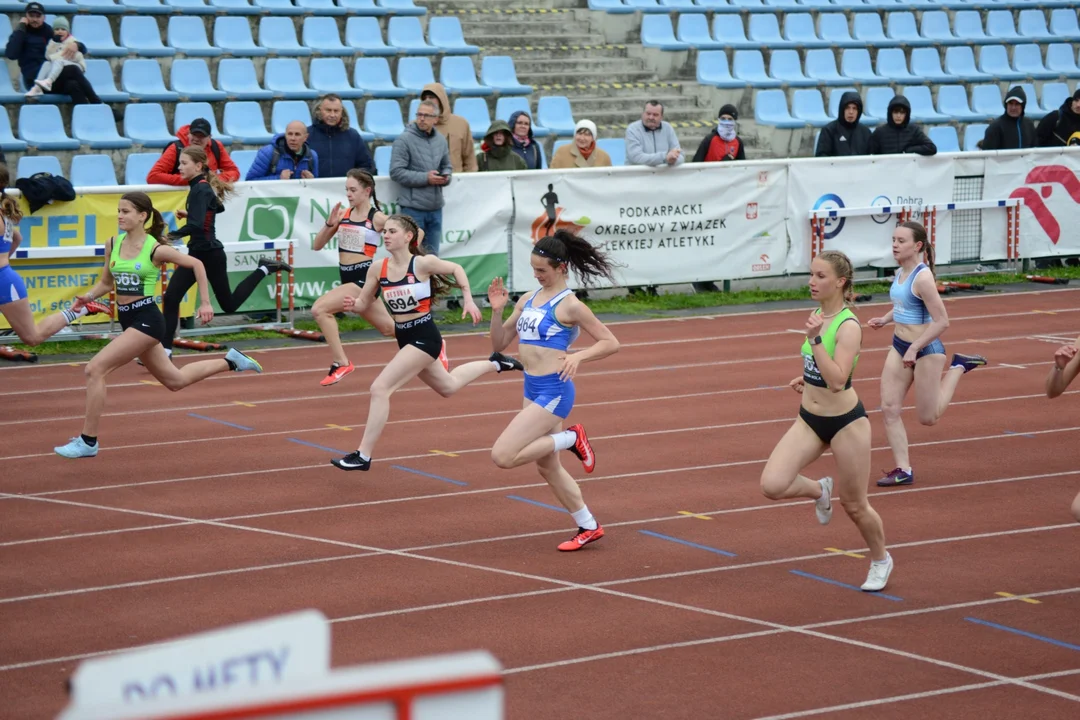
{"x": 9, "y": 353}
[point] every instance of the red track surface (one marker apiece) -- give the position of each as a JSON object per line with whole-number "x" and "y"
{"x": 183, "y": 524}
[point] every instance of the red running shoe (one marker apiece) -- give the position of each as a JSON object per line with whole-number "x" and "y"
{"x": 337, "y": 372}
{"x": 583, "y": 538}
{"x": 92, "y": 308}
{"x": 582, "y": 448}
{"x": 443, "y": 358}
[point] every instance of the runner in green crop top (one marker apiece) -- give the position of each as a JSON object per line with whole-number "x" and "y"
{"x": 831, "y": 416}
{"x": 132, "y": 264}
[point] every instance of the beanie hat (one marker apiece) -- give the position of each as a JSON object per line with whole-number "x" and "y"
{"x": 729, "y": 109}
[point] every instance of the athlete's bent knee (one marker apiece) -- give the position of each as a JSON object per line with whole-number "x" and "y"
{"x": 928, "y": 419}
{"x": 175, "y": 383}
{"x": 774, "y": 487}
{"x": 890, "y": 411}
{"x": 502, "y": 457}
{"x": 1076, "y": 508}
{"x": 855, "y": 509}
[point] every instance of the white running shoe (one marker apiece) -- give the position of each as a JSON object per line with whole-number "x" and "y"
{"x": 823, "y": 505}
{"x": 878, "y": 577}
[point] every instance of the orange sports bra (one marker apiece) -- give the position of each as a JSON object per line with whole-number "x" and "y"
{"x": 358, "y": 236}
{"x": 407, "y": 295}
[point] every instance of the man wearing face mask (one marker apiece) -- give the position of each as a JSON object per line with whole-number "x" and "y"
{"x": 845, "y": 136}
{"x": 722, "y": 143}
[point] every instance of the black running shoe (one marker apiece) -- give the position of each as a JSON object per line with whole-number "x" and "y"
{"x": 272, "y": 266}
{"x": 967, "y": 362}
{"x": 506, "y": 362}
{"x": 352, "y": 461}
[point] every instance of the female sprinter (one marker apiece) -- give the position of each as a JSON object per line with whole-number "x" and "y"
{"x": 357, "y": 231}
{"x": 14, "y": 305}
{"x": 546, "y": 322}
{"x": 409, "y": 280}
{"x": 132, "y": 261}
{"x": 1064, "y": 370}
{"x": 204, "y": 201}
{"x": 917, "y": 354}
{"x": 831, "y": 416}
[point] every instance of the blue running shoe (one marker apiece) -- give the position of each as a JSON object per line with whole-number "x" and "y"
{"x": 242, "y": 361}
{"x": 967, "y": 362}
{"x": 77, "y": 448}
{"x": 896, "y": 477}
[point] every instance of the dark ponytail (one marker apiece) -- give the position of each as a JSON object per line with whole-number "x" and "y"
{"x": 918, "y": 232}
{"x": 440, "y": 284}
{"x": 564, "y": 247}
{"x": 222, "y": 188}
{"x": 366, "y": 180}
{"x": 142, "y": 203}
{"x": 9, "y": 206}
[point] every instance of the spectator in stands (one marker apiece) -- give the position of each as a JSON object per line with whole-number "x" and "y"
{"x": 651, "y": 140}
{"x": 1012, "y": 130}
{"x": 845, "y": 135}
{"x": 497, "y": 151}
{"x": 454, "y": 128}
{"x": 420, "y": 164}
{"x": 723, "y": 143}
{"x": 524, "y": 143}
{"x": 338, "y": 146}
{"x": 57, "y": 52}
{"x": 899, "y": 134}
{"x": 1056, "y": 128}
{"x": 27, "y": 47}
{"x": 166, "y": 171}
{"x": 286, "y": 157}
{"x": 582, "y": 152}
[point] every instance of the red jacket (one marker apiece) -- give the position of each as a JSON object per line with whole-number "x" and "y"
{"x": 164, "y": 171}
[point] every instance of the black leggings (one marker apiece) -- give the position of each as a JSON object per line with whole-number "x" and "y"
{"x": 184, "y": 278}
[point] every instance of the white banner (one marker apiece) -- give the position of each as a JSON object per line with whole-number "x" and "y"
{"x": 686, "y": 224}
{"x": 865, "y": 182}
{"x": 1047, "y": 183}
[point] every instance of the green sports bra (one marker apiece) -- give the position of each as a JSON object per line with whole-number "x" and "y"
{"x": 811, "y": 373}
{"x": 138, "y": 276}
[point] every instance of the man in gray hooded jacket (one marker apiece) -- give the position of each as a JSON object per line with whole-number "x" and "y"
{"x": 420, "y": 164}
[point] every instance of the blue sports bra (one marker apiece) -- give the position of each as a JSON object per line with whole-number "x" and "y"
{"x": 9, "y": 235}
{"x": 539, "y": 326}
{"x": 908, "y": 308}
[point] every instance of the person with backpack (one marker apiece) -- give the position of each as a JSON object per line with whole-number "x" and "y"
{"x": 166, "y": 171}
{"x": 287, "y": 157}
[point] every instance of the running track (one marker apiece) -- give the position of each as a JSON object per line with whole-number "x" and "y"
{"x": 218, "y": 505}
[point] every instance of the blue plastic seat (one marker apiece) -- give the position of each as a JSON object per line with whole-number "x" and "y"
{"x": 999, "y": 26}
{"x": 1032, "y": 109}
{"x": 1028, "y": 60}
{"x": 364, "y": 34}
{"x": 960, "y": 63}
{"x": 869, "y": 32}
{"x": 771, "y": 108}
{"x": 876, "y": 105}
{"x": 855, "y": 66}
{"x": 968, "y": 26}
{"x": 935, "y": 27}
{"x": 191, "y": 80}
{"x": 749, "y": 66}
{"x": 234, "y": 7}
{"x": 191, "y": 7}
{"x": 953, "y": 101}
{"x": 507, "y": 106}
{"x": 286, "y": 111}
{"x": 657, "y": 32}
{"x": 383, "y": 119}
{"x": 821, "y": 68}
{"x": 994, "y": 59}
{"x": 146, "y": 7}
{"x": 807, "y": 105}
{"x": 96, "y": 34}
{"x": 236, "y": 78}
{"x": 41, "y": 127}
{"x": 354, "y": 120}
{"x": 1064, "y": 25}
{"x": 186, "y": 112}
{"x": 765, "y": 32}
{"x": 799, "y": 30}
{"x": 382, "y": 160}
{"x": 323, "y": 8}
{"x": 944, "y": 136}
{"x": 280, "y": 8}
{"x": 613, "y": 7}
{"x": 142, "y": 78}
{"x": 892, "y": 64}
{"x": 328, "y": 75}
{"x": 8, "y": 94}
{"x": 1032, "y": 26}
{"x": 94, "y": 126}
{"x": 8, "y": 141}
{"x": 693, "y": 29}
{"x": 728, "y": 30}
{"x": 363, "y": 7}
{"x": 140, "y": 36}
{"x": 138, "y": 166}
{"x": 244, "y": 159}
{"x": 833, "y": 106}
{"x": 233, "y": 35}
{"x": 834, "y": 31}
{"x": 986, "y": 100}
{"x": 1061, "y": 59}
{"x": 645, "y": 6}
{"x": 144, "y": 124}
{"x": 922, "y": 105}
{"x": 1053, "y": 95}
{"x": 900, "y": 27}
{"x": 402, "y": 7}
{"x": 372, "y": 76}
{"x": 243, "y": 120}
{"x": 973, "y": 134}
{"x": 285, "y": 79}
{"x": 406, "y": 35}
{"x": 100, "y": 75}
{"x": 615, "y": 148}
{"x": 444, "y": 32}
{"x": 784, "y": 65}
{"x": 413, "y": 73}
{"x": 98, "y": 7}
{"x": 278, "y": 36}
{"x": 92, "y": 171}
{"x": 187, "y": 34}
{"x": 321, "y": 35}
{"x": 926, "y": 64}
{"x": 712, "y": 69}
{"x": 498, "y": 73}
{"x": 458, "y": 76}
{"x": 33, "y": 164}
{"x": 554, "y": 113}
{"x": 475, "y": 112}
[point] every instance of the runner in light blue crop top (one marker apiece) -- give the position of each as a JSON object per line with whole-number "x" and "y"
{"x": 908, "y": 308}
{"x": 539, "y": 326}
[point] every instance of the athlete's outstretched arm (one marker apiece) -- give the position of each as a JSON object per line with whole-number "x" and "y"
{"x": 105, "y": 282}
{"x": 165, "y": 253}
{"x": 367, "y": 294}
{"x": 432, "y": 265}
{"x": 502, "y": 333}
{"x": 1065, "y": 369}
{"x": 580, "y": 314}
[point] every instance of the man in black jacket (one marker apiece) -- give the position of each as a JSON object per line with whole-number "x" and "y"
{"x": 1056, "y": 128}
{"x": 27, "y": 47}
{"x": 339, "y": 147}
{"x": 899, "y": 134}
{"x": 1012, "y": 130}
{"x": 845, "y": 135}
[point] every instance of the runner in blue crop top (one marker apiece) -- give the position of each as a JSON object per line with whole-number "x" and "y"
{"x": 546, "y": 322}
{"x": 917, "y": 355}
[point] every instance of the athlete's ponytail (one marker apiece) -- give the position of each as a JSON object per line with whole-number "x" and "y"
{"x": 142, "y": 203}
{"x": 364, "y": 178}
{"x": 440, "y": 284}
{"x": 841, "y": 265}
{"x": 223, "y": 189}
{"x": 9, "y": 206}
{"x": 566, "y": 248}
{"x": 918, "y": 233}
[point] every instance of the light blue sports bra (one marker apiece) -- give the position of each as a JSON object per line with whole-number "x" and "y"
{"x": 9, "y": 235}
{"x": 908, "y": 308}
{"x": 539, "y": 326}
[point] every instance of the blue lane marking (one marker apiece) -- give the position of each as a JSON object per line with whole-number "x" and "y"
{"x": 1033, "y": 636}
{"x": 319, "y": 447}
{"x": 800, "y": 573}
{"x": 425, "y": 474}
{"x": 222, "y": 422}
{"x": 650, "y": 533}
{"x": 537, "y": 503}
{"x": 1013, "y": 432}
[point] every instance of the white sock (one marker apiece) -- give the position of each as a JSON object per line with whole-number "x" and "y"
{"x": 584, "y": 519}
{"x": 496, "y": 365}
{"x": 907, "y": 470}
{"x": 564, "y": 441}
{"x": 72, "y": 315}
{"x": 168, "y": 351}
{"x": 882, "y": 562}
{"x": 265, "y": 270}
{"x": 365, "y": 458}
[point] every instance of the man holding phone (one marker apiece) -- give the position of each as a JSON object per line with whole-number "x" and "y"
{"x": 420, "y": 164}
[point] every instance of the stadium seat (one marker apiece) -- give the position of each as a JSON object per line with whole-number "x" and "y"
{"x": 749, "y": 66}
{"x": 233, "y": 35}
{"x": 785, "y": 67}
{"x": 821, "y": 67}
{"x": 1063, "y": 24}
{"x": 414, "y": 107}
{"x": 458, "y": 76}
{"x": 95, "y": 32}
{"x": 833, "y": 108}
{"x": 614, "y": 7}
{"x": 900, "y": 27}
{"x": 876, "y": 105}
{"x": 234, "y": 7}
{"x": 244, "y": 159}
{"x": 138, "y": 166}
{"x": 236, "y": 77}
{"x": 187, "y": 34}
{"x": 944, "y": 136}
{"x": 498, "y": 73}
{"x": 712, "y": 69}
{"x": 1061, "y": 59}
{"x": 935, "y": 27}
{"x": 807, "y": 105}
{"x": 413, "y": 73}
{"x": 321, "y": 7}
{"x": 286, "y": 111}
{"x": 554, "y": 113}
{"x": 363, "y": 7}
{"x": 922, "y": 105}
{"x": 799, "y": 30}
{"x": 765, "y": 32}
{"x": 100, "y": 75}
{"x": 444, "y": 32}
{"x": 1053, "y": 95}
{"x": 321, "y": 35}
{"x": 354, "y": 120}
{"x": 98, "y": 7}
{"x": 382, "y": 160}
{"x": 994, "y": 59}
{"x": 191, "y": 80}
{"x": 1032, "y": 26}
{"x": 280, "y": 8}
{"x": 973, "y": 134}
{"x": 869, "y": 32}
{"x": 771, "y": 108}
{"x": 328, "y": 75}
{"x": 8, "y": 94}
{"x": 615, "y": 148}
{"x": 1032, "y": 109}
{"x": 364, "y": 33}
{"x": 278, "y": 36}
{"x": 507, "y": 106}
{"x": 191, "y": 7}
{"x": 1000, "y": 26}
{"x": 406, "y": 35}
{"x": 92, "y": 171}
{"x": 855, "y": 66}
{"x": 960, "y": 64}
{"x": 926, "y": 64}
{"x": 285, "y": 79}
{"x": 987, "y": 101}
{"x": 33, "y": 164}
{"x": 475, "y": 112}
{"x": 372, "y": 76}
{"x": 952, "y": 100}
{"x": 188, "y": 111}
{"x": 243, "y": 121}
{"x": 645, "y": 6}
{"x": 41, "y": 127}
{"x": 140, "y": 36}
{"x": 728, "y": 30}
{"x": 382, "y": 118}
{"x": 401, "y": 7}
{"x": 8, "y": 141}
{"x": 693, "y": 29}
{"x": 968, "y": 26}
{"x": 892, "y": 64}
{"x": 145, "y": 124}
{"x": 834, "y": 31}
{"x": 657, "y": 32}
{"x": 1028, "y": 60}
{"x": 146, "y": 7}
{"x": 142, "y": 78}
